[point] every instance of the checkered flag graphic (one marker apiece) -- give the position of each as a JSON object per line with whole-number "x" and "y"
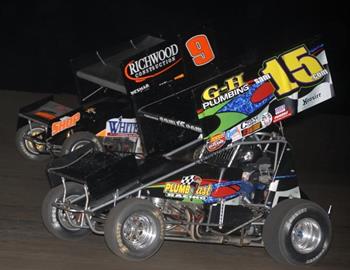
{"x": 190, "y": 179}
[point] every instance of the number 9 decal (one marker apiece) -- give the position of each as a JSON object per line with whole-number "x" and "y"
{"x": 200, "y": 50}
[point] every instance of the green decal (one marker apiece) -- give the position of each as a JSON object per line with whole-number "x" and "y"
{"x": 212, "y": 111}
{"x": 227, "y": 120}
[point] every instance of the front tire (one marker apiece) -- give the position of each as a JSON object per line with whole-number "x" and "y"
{"x": 56, "y": 220}
{"x": 134, "y": 229}
{"x": 28, "y": 149}
{"x": 80, "y": 139}
{"x": 297, "y": 232}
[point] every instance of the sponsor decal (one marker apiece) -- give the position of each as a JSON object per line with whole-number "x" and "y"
{"x": 177, "y": 123}
{"x": 215, "y": 95}
{"x": 280, "y": 109}
{"x": 140, "y": 89}
{"x": 312, "y": 99}
{"x": 251, "y": 129}
{"x": 250, "y": 122}
{"x": 236, "y": 86}
{"x": 235, "y": 101}
{"x": 46, "y": 115}
{"x": 225, "y": 97}
{"x": 282, "y": 116}
{"x": 122, "y": 127}
{"x": 216, "y": 142}
{"x": 266, "y": 119}
{"x": 188, "y": 188}
{"x": 234, "y": 134}
{"x": 319, "y": 94}
{"x": 65, "y": 123}
{"x": 281, "y": 112}
{"x": 241, "y": 107}
{"x": 153, "y": 64}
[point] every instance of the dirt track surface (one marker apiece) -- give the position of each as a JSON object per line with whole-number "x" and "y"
{"x": 25, "y": 244}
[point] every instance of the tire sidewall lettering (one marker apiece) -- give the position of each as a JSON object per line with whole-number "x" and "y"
{"x": 286, "y": 230}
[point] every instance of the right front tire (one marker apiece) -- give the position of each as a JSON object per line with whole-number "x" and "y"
{"x": 80, "y": 139}
{"x": 297, "y": 232}
{"x": 134, "y": 229}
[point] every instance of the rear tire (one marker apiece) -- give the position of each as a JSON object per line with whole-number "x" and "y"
{"x": 78, "y": 140}
{"x": 28, "y": 149}
{"x": 55, "y": 220}
{"x": 134, "y": 229}
{"x": 297, "y": 232}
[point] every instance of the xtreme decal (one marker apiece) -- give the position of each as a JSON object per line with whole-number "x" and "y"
{"x": 319, "y": 94}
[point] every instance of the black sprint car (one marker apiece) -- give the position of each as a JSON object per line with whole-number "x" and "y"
{"x": 47, "y": 127}
{"x": 215, "y": 164}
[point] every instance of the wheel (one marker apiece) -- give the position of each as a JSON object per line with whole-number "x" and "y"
{"x": 297, "y": 232}
{"x": 59, "y": 222}
{"x": 28, "y": 149}
{"x": 79, "y": 139}
{"x": 134, "y": 229}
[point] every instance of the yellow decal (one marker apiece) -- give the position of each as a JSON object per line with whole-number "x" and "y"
{"x": 181, "y": 189}
{"x": 230, "y": 84}
{"x": 293, "y": 69}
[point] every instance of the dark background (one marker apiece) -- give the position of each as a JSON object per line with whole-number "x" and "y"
{"x": 38, "y": 38}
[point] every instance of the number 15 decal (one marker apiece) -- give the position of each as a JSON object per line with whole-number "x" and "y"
{"x": 293, "y": 70}
{"x": 199, "y": 48}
